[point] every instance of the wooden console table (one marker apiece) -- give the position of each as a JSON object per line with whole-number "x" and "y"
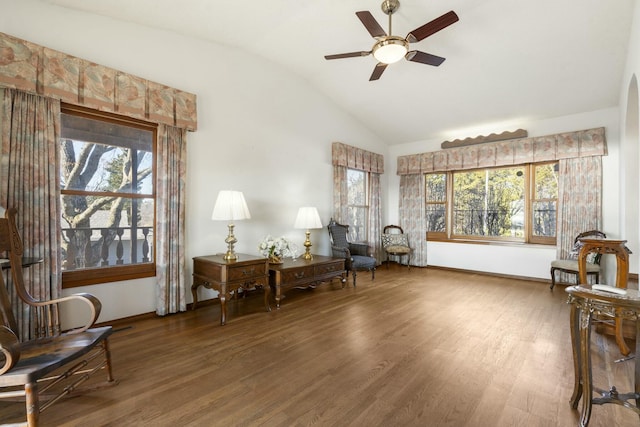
{"x": 214, "y": 272}
{"x": 585, "y": 302}
{"x": 304, "y": 272}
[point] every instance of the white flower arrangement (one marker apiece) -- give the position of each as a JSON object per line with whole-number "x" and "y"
{"x": 277, "y": 248}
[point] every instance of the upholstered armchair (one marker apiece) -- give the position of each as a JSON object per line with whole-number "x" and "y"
{"x": 396, "y": 243}
{"x": 570, "y": 265}
{"x": 355, "y": 254}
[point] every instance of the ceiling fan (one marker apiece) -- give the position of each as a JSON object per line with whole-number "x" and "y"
{"x": 389, "y": 48}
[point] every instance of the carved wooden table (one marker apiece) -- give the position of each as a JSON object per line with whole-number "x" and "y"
{"x": 214, "y": 272}
{"x": 586, "y": 301}
{"x": 617, "y": 248}
{"x": 304, "y": 272}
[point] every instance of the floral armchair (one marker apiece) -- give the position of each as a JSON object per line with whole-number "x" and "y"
{"x": 396, "y": 243}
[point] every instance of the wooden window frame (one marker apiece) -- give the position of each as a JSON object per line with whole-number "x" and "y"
{"x": 529, "y": 195}
{"x": 107, "y": 274}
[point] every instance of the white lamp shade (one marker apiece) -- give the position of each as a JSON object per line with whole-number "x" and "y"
{"x": 230, "y": 205}
{"x": 308, "y": 218}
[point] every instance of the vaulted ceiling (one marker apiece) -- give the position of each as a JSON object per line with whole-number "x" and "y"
{"x": 506, "y": 60}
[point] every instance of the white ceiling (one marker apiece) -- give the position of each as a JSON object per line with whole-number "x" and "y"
{"x": 507, "y": 60}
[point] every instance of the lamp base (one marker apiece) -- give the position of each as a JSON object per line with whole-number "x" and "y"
{"x": 307, "y": 245}
{"x": 230, "y": 256}
{"x": 230, "y": 241}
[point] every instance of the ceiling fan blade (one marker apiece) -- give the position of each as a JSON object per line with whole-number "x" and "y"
{"x": 377, "y": 72}
{"x": 432, "y": 27}
{"x": 347, "y": 55}
{"x": 424, "y": 58}
{"x": 371, "y": 24}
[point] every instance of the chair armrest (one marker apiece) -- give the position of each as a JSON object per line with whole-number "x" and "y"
{"x": 341, "y": 252}
{"x": 359, "y": 249}
{"x": 10, "y": 348}
{"x": 93, "y": 303}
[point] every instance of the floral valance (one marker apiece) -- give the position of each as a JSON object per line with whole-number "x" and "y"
{"x": 356, "y": 158}
{"x": 37, "y": 69}
{"x": 582, "y": 143}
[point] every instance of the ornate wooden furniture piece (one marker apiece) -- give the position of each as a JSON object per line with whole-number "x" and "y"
{"x": 587, "y": 300}
{"x": 304, "y": 272}
{"x": 355, "y": 255}
{"x": 619, "y": 249}
{"x": 396, "y": 243}
{"x": 42, "y": 370}
{"x": 227, "y": 276}
{"x": 570, "y": 265}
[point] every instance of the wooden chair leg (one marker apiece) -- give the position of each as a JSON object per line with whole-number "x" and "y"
{"x": 553, "y": 278}
{"x": 32, "y": 404}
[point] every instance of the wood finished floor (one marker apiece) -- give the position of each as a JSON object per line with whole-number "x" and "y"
{"x": 427, "y": 347}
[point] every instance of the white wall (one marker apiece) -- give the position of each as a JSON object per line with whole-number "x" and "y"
{"x": 516, "y": 259}
{"x": 261, "y": 130}
{"x": 629, "y": 191}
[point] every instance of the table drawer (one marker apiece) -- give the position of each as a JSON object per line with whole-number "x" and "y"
{"x": 207, "y": 269}
{"x": 297, "y": 274}
{"x": 333, "y": 267}
{"x": 247, "y": 272}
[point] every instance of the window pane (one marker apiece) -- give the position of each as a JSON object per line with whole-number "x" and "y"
{"x": 436, "y": 218}
{"x": 356, "y": 181}
{"x": 489, "y": 203}
{"x": 107, "y": 189}
{"x": 101, "y": 156}
{"x": 357, "y": 224}
{"x": 545, "y": 200}
{"x": 544, "y": 219}
{"x": 119, "y": 234}
{"x": 436, "y": 187}
{"x": 357, "y": 205}
{"x": 546, "y": 181}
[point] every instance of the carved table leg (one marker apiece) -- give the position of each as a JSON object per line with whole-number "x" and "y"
{"x": 277, "y": 294}
{"x": 574, "y": 322}
{"x": 585, "y": 354}
{"x": 267, "y": 294}
{"x": 223, "y": 304}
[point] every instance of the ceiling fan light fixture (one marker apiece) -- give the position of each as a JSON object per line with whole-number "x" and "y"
{"x": 390, "y": 49}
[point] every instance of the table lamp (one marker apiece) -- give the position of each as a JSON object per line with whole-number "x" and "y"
{"x": 230, "y": 206}
{"x": 307, "y": 218}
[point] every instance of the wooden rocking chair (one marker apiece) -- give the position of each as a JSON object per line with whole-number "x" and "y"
{"x": 42, "y": 370}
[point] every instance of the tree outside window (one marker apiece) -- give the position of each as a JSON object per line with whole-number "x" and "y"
{"x": 107, "y": 197}
{"x": 509, "y": 203}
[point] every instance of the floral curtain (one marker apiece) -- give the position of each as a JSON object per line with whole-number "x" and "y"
{"x": 30, "y": 179}
{"x": 579, "y": 202}
{"x": 170, "y": 220}
{"x": 584, "y": 143}
{"x": 340, "y": 194}
{"x": 413, "y": 216}
{"x": 343, "y": 157}
{"x": 375, "y": 216}
{"x": 47, "y": 72}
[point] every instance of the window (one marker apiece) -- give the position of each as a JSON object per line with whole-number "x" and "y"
{"x": 436, "y": 198}
{"x": 358, "y": 207}
{"x": 544, "y": 203}
{"x": 493, "y": 204}
{"x": 107, "y": 197}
